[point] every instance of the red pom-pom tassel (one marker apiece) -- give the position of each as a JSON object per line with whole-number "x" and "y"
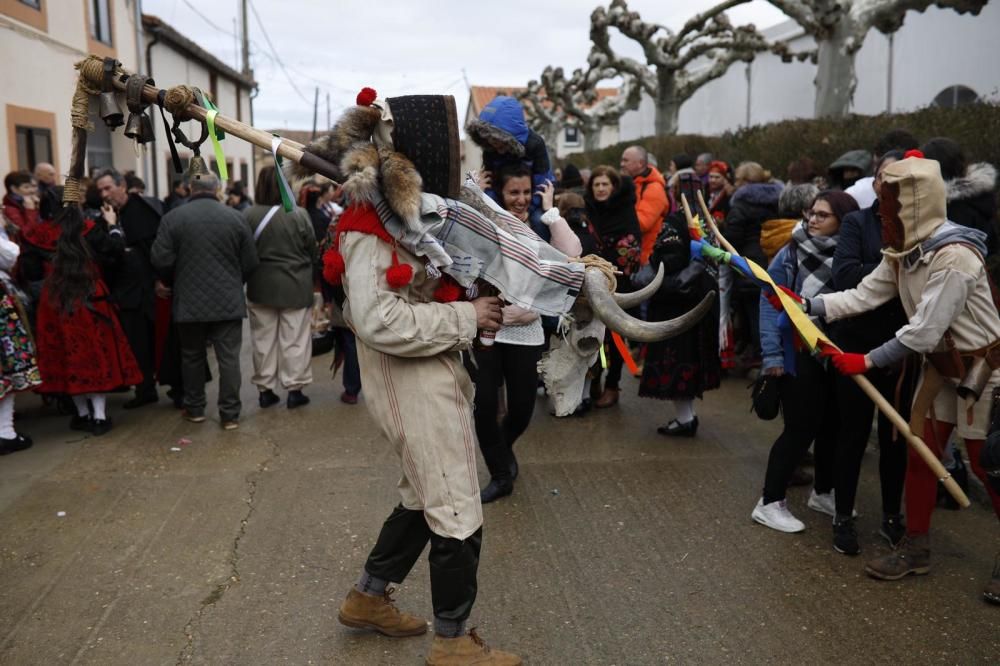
{"x": 366, "y": 96}
{"x": 398, "y": 275}
{"x": 333, "y": 267}
{"x": 447, "y": 291}
{"x": 913, "y": 153}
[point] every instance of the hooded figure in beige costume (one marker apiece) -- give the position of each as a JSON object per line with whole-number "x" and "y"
{"x": 937, "y": 269}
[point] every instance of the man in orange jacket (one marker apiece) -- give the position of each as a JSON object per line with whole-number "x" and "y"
{"x": 651, "y": 203}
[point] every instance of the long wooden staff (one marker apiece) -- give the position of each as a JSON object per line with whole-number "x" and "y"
{"x": 179, "y": 101}
{"x": 884, "y": 406}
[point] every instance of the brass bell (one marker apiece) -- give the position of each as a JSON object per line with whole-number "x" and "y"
{"x": 110, "y": 113}
{"x": 133, "y": 128}
{"x": 139, "y": 127}
{"x": 196, "y": 167}
{"x": 146, "y": 134}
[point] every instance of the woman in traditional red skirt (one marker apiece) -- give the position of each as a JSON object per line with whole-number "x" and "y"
{"x": 82, "y": 351}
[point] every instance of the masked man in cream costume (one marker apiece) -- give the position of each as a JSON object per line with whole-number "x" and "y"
{"x": 410, "y": 251}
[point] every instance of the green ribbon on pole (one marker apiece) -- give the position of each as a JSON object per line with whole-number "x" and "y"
{"x": 209, "y": 106}
{"x": 220, "y": 157}
{"x": 287, "y": 200}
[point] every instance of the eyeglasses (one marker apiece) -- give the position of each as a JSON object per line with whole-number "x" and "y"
{"x": 820, "y": 215}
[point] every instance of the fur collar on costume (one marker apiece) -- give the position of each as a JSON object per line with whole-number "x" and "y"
{"x": 365, "y": 169}
{"x": 979, "y": 179}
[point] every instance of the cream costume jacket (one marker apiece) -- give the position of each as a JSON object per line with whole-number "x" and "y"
{"x": 941, "y": 279}
{"x": 415, "y": 385}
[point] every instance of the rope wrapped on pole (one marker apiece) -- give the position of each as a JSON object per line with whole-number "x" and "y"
{"x": 181, "y": 102}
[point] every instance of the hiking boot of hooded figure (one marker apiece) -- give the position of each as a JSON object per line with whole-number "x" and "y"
{"x": 379, "y": 613}
{"x": 912, "y": 556}
{"x": 468, "y": 650}
{"x": 992, "y": 591}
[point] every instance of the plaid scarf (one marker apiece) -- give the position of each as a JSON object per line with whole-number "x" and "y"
{"x": 463, "y": 242}
{"x": 813, "y": 262}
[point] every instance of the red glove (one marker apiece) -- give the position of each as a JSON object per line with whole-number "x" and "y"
{"x": 775, "y": 302}
{"x": 845, "y": 363}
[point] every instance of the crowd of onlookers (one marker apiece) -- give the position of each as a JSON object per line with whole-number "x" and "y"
{"x": 131, "y": 291}
{"x": 818, "y": 232}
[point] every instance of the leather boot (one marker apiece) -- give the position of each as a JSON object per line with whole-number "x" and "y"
{"x": 468, "y": 650}
{"x": 992, "y": 591}
{"x": 912, "y": 556}
{"x": 608, "y": 399}
{"x": 379, "y": 613}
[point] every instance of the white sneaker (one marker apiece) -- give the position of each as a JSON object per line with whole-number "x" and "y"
{"x": 825, "y": 503}
{"x": 776, "y": 516}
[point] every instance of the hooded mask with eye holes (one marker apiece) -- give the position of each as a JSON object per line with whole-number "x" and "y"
{"x": 912, "y": 204}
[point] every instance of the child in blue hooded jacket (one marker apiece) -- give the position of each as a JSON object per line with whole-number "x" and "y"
{"x": 505, "y": 138}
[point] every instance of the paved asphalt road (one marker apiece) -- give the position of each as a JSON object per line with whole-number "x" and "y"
{"x": 618, "y": 547}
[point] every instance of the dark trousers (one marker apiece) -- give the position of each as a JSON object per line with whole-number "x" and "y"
{"x": 454, "y": 563}
{"x": 809, "y": 409}
{"x": 516, "y": 366}
{"x": 227, "y": 339}
{"x": 747, "y": 300}
{"x": 856, "y": 412}
{"x": 352, "y": 371}
{"x": 140, "y": 331}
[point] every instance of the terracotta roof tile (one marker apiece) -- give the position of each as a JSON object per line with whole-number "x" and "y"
{"x": 481, "y": 95}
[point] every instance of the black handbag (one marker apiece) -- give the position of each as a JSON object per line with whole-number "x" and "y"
{"x": 765, "y": 400}
{"x": 693, "y": 281}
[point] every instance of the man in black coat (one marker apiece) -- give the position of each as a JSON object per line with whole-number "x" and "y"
{"x": 205, "y": 251}
{"x": 133, "y": 284}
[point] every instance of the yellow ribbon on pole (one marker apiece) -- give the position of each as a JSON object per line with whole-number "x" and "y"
{"x": 813, "y": 336}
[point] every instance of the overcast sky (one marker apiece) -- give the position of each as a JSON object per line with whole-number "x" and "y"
{"x": 404, "y": 47}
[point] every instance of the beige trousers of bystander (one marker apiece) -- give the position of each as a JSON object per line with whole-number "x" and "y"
{"x": 282, "y": 346}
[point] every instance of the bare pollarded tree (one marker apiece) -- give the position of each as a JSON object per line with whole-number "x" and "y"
{"x": 839, "y": 28}
{"x": 544, "y": 115}
{"x": 556, "y": 102}
{"x": 677, "y": 63}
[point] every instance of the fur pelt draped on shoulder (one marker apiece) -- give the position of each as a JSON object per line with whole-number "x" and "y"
{"x": 401, "y": 184}
{"x": 360, "y": 169}
{"x": 356, "y": 125}
{"x": 495, "y": 139}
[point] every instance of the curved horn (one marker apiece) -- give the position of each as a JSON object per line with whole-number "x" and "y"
{"x": 595, "y": 286}
{"x": 633, "y": 299}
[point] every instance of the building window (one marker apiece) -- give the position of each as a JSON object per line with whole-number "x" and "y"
{"x": 229, "y": 168}
{"x": 572, "y": 135}
{"x": 100, "y": 21}
{"x": 99, "y": 153}
{"x": 34, "y": 145}
{"x": 239, "y": 104}
{"x": 32, "y": 12}
{"x": 173, "y": 176}
{"x": 244, "y": 174}
{"x": 953, "y": 96}
{"x": 213, "y": 87}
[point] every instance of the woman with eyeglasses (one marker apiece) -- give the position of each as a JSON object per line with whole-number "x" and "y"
{"x": 859, "y": 251}
{"x": 805, "y": 383}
